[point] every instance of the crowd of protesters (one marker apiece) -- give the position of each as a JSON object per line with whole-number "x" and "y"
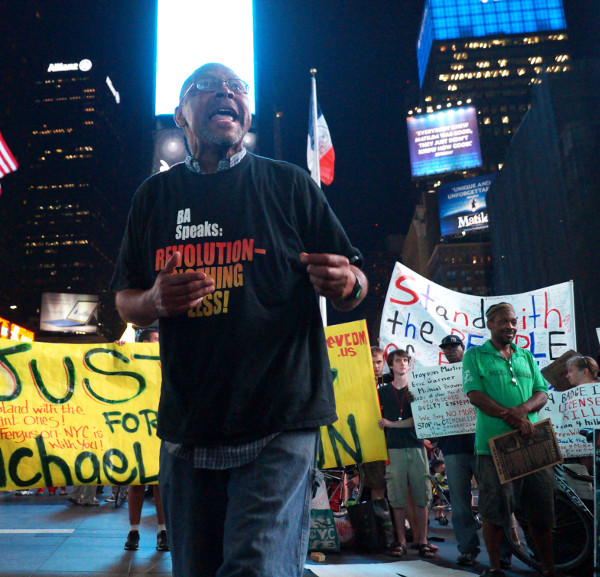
{"x": 504, "y": 384}
{"x": 231, "y": 430}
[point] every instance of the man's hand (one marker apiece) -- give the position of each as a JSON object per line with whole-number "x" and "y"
{"x": 515, "y": 416}
{"x": 176, "y": 293}
{"x": 334, "y": 277}
{"x": 527, "y": 429}
{"x": 330, "y": 274}
{"x": 383, "y": 423}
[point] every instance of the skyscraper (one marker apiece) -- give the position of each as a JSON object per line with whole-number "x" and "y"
{"x": 489, "y": 53}
{"x": 486, "y": 54}
{"x": 67, "y": 211}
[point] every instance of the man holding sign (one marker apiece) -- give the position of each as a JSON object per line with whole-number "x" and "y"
{"x": 227, "y": 250}
{"x": 506, "y": 387}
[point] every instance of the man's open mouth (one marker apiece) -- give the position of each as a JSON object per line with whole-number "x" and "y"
{"x": 224, "y": 114}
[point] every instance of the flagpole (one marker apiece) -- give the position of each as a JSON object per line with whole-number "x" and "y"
{"x": 316, "y": 168}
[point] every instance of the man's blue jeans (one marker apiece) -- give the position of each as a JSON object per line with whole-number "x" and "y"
{"x": 460, "y": 468}
{"x": 250, "y": 521}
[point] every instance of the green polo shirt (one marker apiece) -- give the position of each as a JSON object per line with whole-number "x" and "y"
{"x": 486, "y": 370}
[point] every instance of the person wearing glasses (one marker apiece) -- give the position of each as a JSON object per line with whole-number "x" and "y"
{"x": 246, "y": 378}
{"x": 506, "y": 387}
{"x": 581, "y": 370}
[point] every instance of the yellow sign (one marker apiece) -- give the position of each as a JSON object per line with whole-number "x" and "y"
{"x": 355, "y": 437}
{"x": 86, "y": 414}
{"x": 78, "y": 414}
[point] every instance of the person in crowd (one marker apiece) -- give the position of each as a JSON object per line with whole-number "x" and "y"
{"x": 136, "y": 493}
{"x": 506, "y": 387}
{"x": 52, "y": 491}
{"x": 374, "y": 473}
{"x": 246, "y": 382}
{"x": 84, "y": 495}
{"x": 381, "y": 378}
{"x": 459, "y": 455}
{"x": 408, "y": 464}
{"x": 581, "y": 370}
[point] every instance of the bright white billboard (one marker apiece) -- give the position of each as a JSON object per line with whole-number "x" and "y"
{"x": 69, "y": 313}
{"x": 191, "y": 33}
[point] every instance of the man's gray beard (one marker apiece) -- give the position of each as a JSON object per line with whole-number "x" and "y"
{"x": 221, "y": 141}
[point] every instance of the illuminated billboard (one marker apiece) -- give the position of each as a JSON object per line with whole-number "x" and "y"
{"x": 443, "y": 141}
{"x": 462, "y": 205}
{"x": 192, "y": 33}
{"x": 14, "y": 332}
{"x": 69, "y": 313}
{"x": 452, "y": 19}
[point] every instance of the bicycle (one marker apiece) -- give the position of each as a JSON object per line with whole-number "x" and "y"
{"x": 572, "y": 533}
{"x": 120, "y": 495}
{"x": 343, "y": 484}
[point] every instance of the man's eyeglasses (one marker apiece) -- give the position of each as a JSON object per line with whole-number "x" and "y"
{"x": 210, "y": 84}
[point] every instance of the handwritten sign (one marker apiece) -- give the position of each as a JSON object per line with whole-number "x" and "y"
{"x": 570, "y": 411}
{"x": 78, "y": 414}
{"x": 355, "y": 437}
{"x": 418, "y": 313}
{"x": 441, "y": 407}
{"x": 86, "y": 414}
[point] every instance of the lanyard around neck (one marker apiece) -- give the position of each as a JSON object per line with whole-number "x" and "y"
{"x": 400, "y": 402}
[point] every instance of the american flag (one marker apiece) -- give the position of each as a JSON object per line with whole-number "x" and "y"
{"x": 7, "y": 160}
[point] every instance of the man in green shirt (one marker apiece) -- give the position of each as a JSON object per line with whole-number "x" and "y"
{"x": 506, "y": 387}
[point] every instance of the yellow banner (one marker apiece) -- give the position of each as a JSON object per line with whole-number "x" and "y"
{"x": 78, "y": 414}
{"x": 86, "y": 414}
{"x": 355, "y": 437}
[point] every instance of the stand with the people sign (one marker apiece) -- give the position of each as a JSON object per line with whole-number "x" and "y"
{"x": 418, "y": 314}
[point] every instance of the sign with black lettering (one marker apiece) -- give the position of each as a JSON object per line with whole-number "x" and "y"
{"x": 418, "y": 314}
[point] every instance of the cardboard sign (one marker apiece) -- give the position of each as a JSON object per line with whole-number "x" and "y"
{"x": 517, "y": 457}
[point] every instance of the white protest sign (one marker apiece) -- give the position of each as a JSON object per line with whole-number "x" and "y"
{"x": 441, "y": 407}
{"x": 571, "y": 411}
{"x": 418, "y": 313}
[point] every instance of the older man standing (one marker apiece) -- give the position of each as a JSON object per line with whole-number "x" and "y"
{"x": 246, "y": 378}
{"x": 506, "y": 387}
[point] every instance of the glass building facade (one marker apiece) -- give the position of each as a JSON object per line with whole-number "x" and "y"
{"x": 453, "y": 19}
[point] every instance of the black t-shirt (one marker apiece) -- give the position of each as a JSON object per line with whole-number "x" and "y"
{"x": 251, "y": 360}
{"x": 395, "y": 405}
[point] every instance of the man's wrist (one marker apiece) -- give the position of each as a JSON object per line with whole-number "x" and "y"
{"x": 357, "y": 289}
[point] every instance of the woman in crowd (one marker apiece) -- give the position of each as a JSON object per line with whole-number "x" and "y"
{"x": 581, "y": 370}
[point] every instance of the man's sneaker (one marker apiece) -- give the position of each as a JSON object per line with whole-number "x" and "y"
{"x": 133, "y": 541}
{"x": 110, "y": 499}
{"x": 493, "y": 573}
{"x": 467, "y": 559}
{"x": 161, "y": 541}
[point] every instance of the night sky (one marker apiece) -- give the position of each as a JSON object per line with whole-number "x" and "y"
{"x": 364, "y": 52}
